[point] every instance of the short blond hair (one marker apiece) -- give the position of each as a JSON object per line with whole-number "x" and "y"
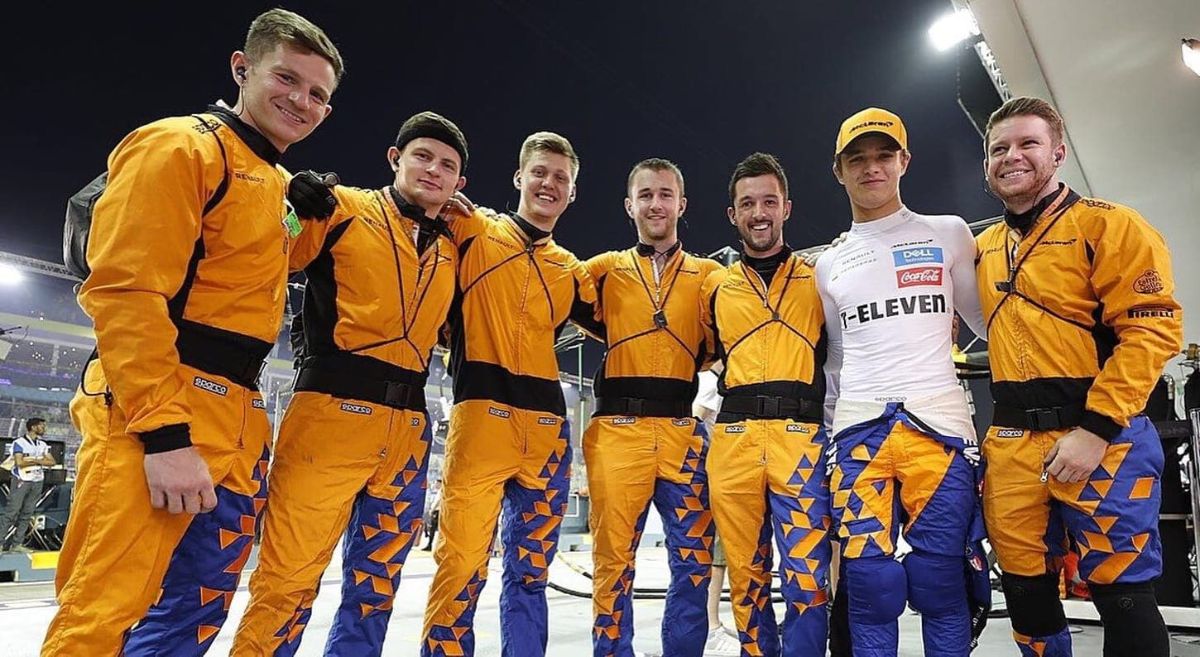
{"x": 1026, "y": 106}
{"x": 548, "y": 142}
{"x": 280, "y": 26}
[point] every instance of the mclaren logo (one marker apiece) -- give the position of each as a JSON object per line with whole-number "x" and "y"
{"x": 871, "y": 124}
{"x": 210, "y": 386}
{"x": 499, "y": 412}
{"x": 356, "y": 408}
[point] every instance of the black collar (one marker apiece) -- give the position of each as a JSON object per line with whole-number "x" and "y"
{"x": 645, "y": 250}
{"x": 436, "y": 225}
{"x": 1024, "y": 221}
{"x": 252, "y": 138}
{"x": 534, "y": 233}
{"x": 770, "y": 263}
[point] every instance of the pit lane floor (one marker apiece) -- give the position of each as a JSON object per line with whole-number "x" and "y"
{"x": 26, "y": 610}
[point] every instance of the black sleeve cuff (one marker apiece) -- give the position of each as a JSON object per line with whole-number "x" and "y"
{"x": 167, "y": 439}
{"x": 1100, "y": 425}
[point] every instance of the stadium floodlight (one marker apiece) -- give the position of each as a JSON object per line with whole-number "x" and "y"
{"x": 952, "y": 29}
{"x": 1191, "y": 54}
{"x": 10, "y": 275}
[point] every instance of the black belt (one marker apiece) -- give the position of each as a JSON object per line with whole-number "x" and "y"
{"x": 642, "y": 407}
{"x": 240, "y": 363}
{"x": 404, "y": 389}
{"x": 773, "y": 408}
{"x": 1038, "y": 419}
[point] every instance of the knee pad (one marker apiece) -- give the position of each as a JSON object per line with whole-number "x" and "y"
{"x": 1133, "y": 625}
{"x": 936, "y": 583}
{"x": 1033, "y": 604}
{"x": 877, "y": 590}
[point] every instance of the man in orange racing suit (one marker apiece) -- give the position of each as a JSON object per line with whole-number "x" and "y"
{"x": 354, "y": 445}
{"x": 189, "y": 256}
{"x": 766, "y": 460}
{"x": 642, "y": 443}
{"x": 1078, "y": 297}
{"x": 509, "y": 441}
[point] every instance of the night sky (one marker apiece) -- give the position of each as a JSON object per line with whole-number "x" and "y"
{"x": 700, "y": 83}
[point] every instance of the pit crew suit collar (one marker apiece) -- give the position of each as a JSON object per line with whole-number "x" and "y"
{"x": 534, "y": 233}
{"x": 427, "y": 229}
{"x": 252, "y": 138}
{"x": 1025, "y": 220}
{"x": 646, "y": 251}
{"x": 766, "y": 267}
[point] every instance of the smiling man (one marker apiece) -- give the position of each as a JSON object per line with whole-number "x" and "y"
{"x": 643, "y": 444}
{"x": 353, "y": 449}
{"x": 189, "y": 261}
{"x": 766, "y": 460}
{"x": 1079, "y": 299}
{"x": 903, "y": 437}
{"x": 509, "y": 442}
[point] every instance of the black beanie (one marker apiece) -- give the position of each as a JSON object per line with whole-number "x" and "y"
{"x": 433, "y": 126}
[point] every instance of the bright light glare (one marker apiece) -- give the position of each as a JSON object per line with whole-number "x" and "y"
{"x": 10, "y": 275}
{"x": 952, "y": 29}
{"x": 1191, "y": 55}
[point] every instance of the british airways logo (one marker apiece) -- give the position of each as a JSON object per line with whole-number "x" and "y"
{"x": 917, "y": 256}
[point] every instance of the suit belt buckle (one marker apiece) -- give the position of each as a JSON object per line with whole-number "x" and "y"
{"x": 396, "y": 393}
{"x": 1045, "y": 419}
{"x": 634, "y": 406}
{"x": 769, "y": 406}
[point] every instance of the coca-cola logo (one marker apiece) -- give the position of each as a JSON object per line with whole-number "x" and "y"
{"x": 919, "y": 276}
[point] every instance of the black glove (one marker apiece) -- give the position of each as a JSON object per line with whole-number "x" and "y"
{"x": 311, "y": 194}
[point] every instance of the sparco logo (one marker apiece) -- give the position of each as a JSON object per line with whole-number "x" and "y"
{"x": 356, "y": 408}
{"x": 735, "y": 428}
{"x": 211, "y": 386}
{"x": 919, "y": 276}
{"x": 681, "y": 422}
{"x": 258, "y": 403}
{"x": 624, "y": 420}
{"x": 1010, "y": 433}
{"x": 547, "y": 420}
{"x": 797, "y": 428}
{"x": 498, "y": 412}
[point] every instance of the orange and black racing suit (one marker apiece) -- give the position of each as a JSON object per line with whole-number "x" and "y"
{"x": 353, "y": 449}
{"x": 189, "y": 258}
{"x": 766, "y": 461}
{"x": 509, "y": 442}
{"x": 1079, "y": 300}
{"x": 643, "y": 445}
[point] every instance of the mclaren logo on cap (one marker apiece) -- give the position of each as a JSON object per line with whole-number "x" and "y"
{"x": 872, "y": 124}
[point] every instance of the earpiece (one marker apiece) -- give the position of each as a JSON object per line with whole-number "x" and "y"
{"x": 241, "y": 73}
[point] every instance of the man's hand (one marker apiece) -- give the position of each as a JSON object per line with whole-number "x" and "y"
{"x": 311, "y": 195}
{"x": 458, "y": 205}
{"x": 1075, "y": 456}
{"x": 179, "y": 481}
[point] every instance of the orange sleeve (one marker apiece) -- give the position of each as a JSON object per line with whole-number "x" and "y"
{"x": 1131, "y": 275}
{"x": 708, "y": 322}
{"x": 308, "y": 244}
{"x": 144, "y": 231}
{"x": 467, "y": 227}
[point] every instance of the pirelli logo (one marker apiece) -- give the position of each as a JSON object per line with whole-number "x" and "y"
{"x": 210, "y": 386}
{"x": 548, "y": 421}
{"x": 624, "y": 420}
{"x": 798, "y": 428}
{"x": 356, "y": 408}
{"x": 682, "y": 422}
{"x": 499, "y": 412}
{"x": 735, "y": 428}
{"x": 1010, "y": 433}
{"x": 1150, "y": 312}
{"x": 258, "y": 403}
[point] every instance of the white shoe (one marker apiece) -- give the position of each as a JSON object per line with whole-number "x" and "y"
{"x": 721, "y": 644}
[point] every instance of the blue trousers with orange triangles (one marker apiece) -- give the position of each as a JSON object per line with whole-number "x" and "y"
{"x": 497, "y": 455}
{"x": 124, "y": 563}
{"x": 341, "y": 467}
{"x": 894, "y": 471}
{"x": 1112, "y": 518}
{"x": 632, "y": 461}
{"x": 767, "y": 477}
